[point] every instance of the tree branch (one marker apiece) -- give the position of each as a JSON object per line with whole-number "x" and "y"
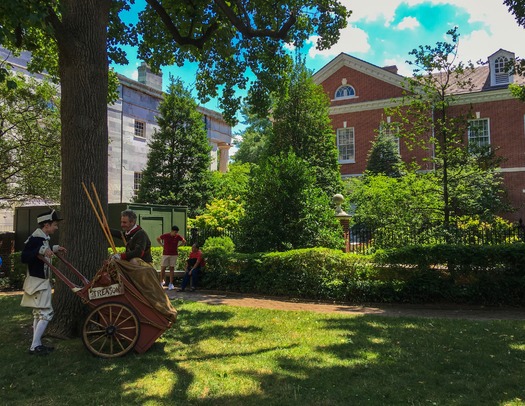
{"x": 246, "y": 29}
{"x": 175, "y": 33}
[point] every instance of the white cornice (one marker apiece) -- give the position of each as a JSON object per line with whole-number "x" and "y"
{"x": 365, "y": 106}
{"x": 133, "y": 84}
{"x": 461, "y": 99}
{"x": 511, "y": 170}
{"x": 357, "y": 64}
{"x": 483, "y": 97}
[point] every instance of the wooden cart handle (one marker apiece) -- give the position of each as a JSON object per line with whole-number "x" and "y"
{"x": 62, "y": 277}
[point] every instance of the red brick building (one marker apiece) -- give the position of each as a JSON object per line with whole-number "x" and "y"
{"x": 359, "y": 93}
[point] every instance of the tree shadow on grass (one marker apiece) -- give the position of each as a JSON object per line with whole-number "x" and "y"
{"x": 404, "y": 361}
{"x": 370, "y": 360}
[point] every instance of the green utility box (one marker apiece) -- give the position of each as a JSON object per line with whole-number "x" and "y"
{"x": 154, "y": 219}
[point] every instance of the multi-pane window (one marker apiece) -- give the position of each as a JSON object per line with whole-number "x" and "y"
{"x": 136, "y": 182}
{"x": 390, "y": 130}
{"x": 501, "y": 70}
{"x": 479, "y": 132}
{"x": 344, "y": 91}
{"x": 140, "y": 129}
{"x": 346, "y": 144}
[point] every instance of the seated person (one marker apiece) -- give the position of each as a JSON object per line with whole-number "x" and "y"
{"x": 193, "y": 267}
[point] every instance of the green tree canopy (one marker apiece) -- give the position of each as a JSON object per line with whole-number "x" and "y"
{"x": 178, "y": 168}
{"x": 384, "y": 156}
{"x": 517, "y": 7}
{"x": 395, "y": 204}
{"x": 427, "y": 119}
{"x": 226, "y": 39}
{"x": 302, "y": 125}
{"x": 221, "y": 214}
{"x": 29, "y": 139}
{"x": 286, "y": 210}
{"x": 231, "y": 184}
{"x": 75, "y": 39}
{"x": 251, "y": 148}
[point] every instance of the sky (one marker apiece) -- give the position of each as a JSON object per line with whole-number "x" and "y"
{"x": 383, "y": 32}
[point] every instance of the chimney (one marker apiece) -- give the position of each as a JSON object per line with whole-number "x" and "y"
{"x": 391, "y": 68}
{"x": 148, "y": 78}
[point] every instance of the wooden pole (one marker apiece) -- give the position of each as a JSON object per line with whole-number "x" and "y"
{"x": 104, "y": 220}
{"x": 108, "y": 237}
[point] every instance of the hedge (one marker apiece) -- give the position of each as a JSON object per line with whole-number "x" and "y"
{"x": 487, "y": 275}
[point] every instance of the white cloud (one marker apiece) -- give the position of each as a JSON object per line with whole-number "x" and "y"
{"x": 498, "y": 27}
{"x": 408, "y": 23}
{"x": 367, "y": 10}
{"x": 352, "y": 40}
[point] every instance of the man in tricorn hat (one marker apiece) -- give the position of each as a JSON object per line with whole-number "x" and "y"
{"x": 37, "y": 286}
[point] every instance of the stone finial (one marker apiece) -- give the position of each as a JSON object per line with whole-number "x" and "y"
{"x": 338, "y": 200}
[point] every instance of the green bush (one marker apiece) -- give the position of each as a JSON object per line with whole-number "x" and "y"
{"x": 224, "y": 244}
{"x": 419, "y": 274}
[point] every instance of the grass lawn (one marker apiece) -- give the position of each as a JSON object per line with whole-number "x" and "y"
{"x": 220, "y": 355}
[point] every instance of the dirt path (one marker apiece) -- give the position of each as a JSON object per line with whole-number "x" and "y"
{"x": 394, "y": 310}
{"x": 431, "y": 311}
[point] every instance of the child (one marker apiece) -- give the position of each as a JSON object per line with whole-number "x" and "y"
{"x": 37, "y": 287}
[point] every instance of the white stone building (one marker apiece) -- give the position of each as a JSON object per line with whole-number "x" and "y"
{"x": 131, "y": 124}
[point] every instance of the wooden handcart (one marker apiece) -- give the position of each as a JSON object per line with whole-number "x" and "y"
{"x": 121, "y": 317}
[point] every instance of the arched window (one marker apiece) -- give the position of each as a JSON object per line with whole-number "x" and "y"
{"x": 500, "y": 65}
{"x": 344, "y": 92}
{"x": 501, "y": 74}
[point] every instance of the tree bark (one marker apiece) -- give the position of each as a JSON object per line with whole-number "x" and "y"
{"x": 83, "y": 69}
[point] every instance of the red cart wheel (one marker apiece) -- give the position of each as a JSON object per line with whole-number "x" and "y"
{"x": 111, "y": 330}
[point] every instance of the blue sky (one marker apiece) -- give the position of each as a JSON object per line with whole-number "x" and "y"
{"x": 383, "y": 32}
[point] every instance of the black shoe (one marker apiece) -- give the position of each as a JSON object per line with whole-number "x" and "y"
{"x": 40, "y": 350}
{"x": 180, "y": 290}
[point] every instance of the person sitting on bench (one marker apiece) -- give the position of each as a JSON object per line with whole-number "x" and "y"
{"x": 193, "y": 267}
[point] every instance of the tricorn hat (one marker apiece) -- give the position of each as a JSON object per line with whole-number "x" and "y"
{"x": 48, "y": 216}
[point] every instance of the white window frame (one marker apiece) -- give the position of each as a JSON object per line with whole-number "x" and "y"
{"x": 500, "y": 73}
{"x": 391, "y": 130}
{"x": 137, "y": 179}
{"x": 139, "y": 129}
{"x": 346, "y": 144}
{"x": 475, "y": 138}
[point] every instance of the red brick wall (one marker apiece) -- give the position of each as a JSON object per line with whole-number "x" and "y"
{"x": 506, "y": 118}
{"x": 366, "y": 88}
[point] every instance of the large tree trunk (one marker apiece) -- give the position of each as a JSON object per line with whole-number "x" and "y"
{"x": 81, "y": 39}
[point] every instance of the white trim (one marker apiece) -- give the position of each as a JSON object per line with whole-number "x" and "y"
{"x": 351, "y": 131}
{"x": 345, "y": 98}
{"x": 510, "y": 170}
{"x": 459, "y": 99}
{"x": 475, "y": 140}
{"x": 357, "y": 64}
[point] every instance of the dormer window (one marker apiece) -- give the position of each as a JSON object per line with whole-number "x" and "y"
{"x": 499, "y": 68}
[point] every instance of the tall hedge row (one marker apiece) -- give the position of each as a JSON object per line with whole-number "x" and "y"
{"x": 489, "y": 275}
{"x": 420, "y": 274}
